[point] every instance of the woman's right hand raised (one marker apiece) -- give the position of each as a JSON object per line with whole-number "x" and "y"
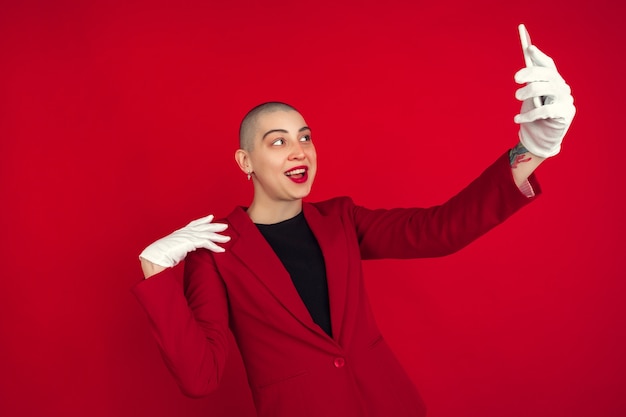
{"x": 171, "y": 249}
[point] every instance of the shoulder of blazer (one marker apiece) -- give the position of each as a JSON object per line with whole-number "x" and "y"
{"x": 333, "y": 205}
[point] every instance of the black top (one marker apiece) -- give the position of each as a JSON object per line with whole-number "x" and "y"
{"x": 295, "y": 245}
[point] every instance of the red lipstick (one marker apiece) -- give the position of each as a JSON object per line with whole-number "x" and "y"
{"x": 298, "y": 174}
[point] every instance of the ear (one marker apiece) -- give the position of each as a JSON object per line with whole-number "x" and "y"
{"x": 243, "y": 160}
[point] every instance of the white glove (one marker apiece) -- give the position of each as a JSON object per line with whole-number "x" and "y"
{"x": 173, "y": 248}
{"x": 542, "y": 128}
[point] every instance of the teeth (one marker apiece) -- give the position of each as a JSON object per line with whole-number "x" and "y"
{"x": 295, "y": 172}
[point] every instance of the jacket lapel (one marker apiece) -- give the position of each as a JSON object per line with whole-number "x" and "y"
{"x": 328, "y": 231}
{"x": 249, "y": 245}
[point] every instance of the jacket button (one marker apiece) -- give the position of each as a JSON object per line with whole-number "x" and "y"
{"x": 339, "y": 362}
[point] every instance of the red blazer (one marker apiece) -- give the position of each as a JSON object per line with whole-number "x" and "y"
{"x": 294, "y": 368}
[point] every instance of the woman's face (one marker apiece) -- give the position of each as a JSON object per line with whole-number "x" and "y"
{"x": 283, "y": 158}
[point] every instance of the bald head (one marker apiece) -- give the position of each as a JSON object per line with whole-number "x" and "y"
{"x": 249, "y": 124}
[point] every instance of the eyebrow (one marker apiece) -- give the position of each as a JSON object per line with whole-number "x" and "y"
{"x": 302, "y": 129}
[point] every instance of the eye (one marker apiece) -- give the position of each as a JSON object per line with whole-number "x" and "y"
{"x": 278, "y": 142}
{"x": 305, "y": 138}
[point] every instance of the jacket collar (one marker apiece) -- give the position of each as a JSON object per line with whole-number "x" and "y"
{"x": 249, "y": 245}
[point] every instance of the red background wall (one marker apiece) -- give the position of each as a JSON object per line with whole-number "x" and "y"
{"x": 118, "y": 122}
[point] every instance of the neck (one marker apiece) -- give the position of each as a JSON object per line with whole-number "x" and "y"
{"x": 275, "y": 212}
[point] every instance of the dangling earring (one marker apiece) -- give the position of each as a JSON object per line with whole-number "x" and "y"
{"x": 249, "y": 175}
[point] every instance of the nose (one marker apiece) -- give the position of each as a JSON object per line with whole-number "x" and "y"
{"x": 297, "y": 153}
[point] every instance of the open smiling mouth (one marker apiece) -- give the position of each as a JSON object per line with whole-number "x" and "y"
{"x": 298, "y": 174}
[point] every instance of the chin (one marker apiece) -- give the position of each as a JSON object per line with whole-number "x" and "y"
{"x": 302, "y": 195}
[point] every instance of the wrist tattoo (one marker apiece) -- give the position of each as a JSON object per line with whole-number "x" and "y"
{"x": 518, "y": 155}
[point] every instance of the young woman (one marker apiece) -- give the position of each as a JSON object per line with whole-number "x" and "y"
{"x": 288, "y": 280}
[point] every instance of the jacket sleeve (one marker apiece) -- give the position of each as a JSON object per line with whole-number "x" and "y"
{"x": 441, "y": 230}
{"x": 189, "y": 322}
